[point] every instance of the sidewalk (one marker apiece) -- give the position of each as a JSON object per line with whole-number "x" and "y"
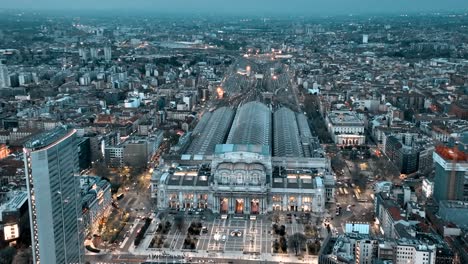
{"x": 280, "y": 258}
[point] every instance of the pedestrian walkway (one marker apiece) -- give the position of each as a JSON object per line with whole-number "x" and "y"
{"x": 280, "y": 258}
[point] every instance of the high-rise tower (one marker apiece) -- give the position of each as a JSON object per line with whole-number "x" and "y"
{"x": 108, "y": 53}
{"x": 451, "y": 167}
{"x": 51, "y": 163}
{"x": 4, "y": 76}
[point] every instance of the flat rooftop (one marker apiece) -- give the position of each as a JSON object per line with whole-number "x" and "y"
{"x": 346, "y": 118}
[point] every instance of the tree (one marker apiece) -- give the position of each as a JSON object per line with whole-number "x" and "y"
{"x": 179, "y": 222}
{"x": 101, "y": 169}
{"x": 284, "y": 244}
{"x": 314, "y": 247}
{"x": 282, "y": 230}
{"x": 275, "y": 217}
{"x": 297, "y": 242}
{"x": 276, "y": 246}
{"x": 7, "y": 254}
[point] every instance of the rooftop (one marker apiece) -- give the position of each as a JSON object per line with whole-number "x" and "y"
{"x": 14, "y": 201}
{"x": 260, "y": 149}
{"x": 252, "y": 125}
{"x": 348, "y": 118}
{"x": 286, "y": 134}
{"x": 44, "y": 139}
{"x": 449, "y": 153}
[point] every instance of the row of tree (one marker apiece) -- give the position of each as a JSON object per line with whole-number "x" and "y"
{"x": 142, "y": 232}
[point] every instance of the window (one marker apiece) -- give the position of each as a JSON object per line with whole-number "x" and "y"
{"x": 240, "y": 180}
{"x": 254, "y": 178}
{"x": 224, "y": 179}
{"x": 276, "y": 198}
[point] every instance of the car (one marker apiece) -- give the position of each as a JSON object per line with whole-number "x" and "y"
{"x": 223, "y": 238}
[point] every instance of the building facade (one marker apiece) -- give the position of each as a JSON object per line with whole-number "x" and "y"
{"x": 240, "y": 180}
{"x": 51, "y": 163}
{"x": 346, "y": 128}
{"x": 96, "y": 201}
{"x": 406, "y": 158}
{"x": 414, "y": 252}
{"x": 4, "y": 76}
{"x": 451, "y": 167}
{"x": 255, "y": 162}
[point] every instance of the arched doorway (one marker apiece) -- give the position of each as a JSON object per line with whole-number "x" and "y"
{"x": 255, "y": 206}
{"x": 239, "y": 206}
{"x": 223, "y": 206}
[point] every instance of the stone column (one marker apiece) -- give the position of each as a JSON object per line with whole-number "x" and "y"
{"x": 181, "y": 200}
{"x": 285, "y": 203}
{"x": 214, "y": 203}
{"x": 299, "y": 203}
{"x": 262, "y": 206}
{"x": 246, "y": 206}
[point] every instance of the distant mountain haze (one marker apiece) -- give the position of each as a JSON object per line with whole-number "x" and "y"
{"x": 259, "y": 7}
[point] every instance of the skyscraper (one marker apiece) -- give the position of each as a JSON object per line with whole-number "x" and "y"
{"x": 451, "y": 167}
{"x": 107, "y": 53}
{"x": 94, "y": 53}
{"x": 4, "y": 76}
{"x": 51, "y": 162}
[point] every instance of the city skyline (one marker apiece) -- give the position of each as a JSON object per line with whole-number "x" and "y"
{"x": 321, "y": 132}
{"x": 243, "y": 7}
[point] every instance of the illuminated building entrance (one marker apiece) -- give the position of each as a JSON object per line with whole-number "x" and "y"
{"x": 239, "y": 206}
{"x": 224, "y": 206}
{"x": 254, "y": 206}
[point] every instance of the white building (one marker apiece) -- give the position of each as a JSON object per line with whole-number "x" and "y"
{"x": 365, "y": 39}
{"x": 346, "y": 128}
{"x": 366, "y": 251}
{"x": 51, "y": 163}
{"x": 240, "y": 181}
{"x": 255, "y": 167}
{"x": 114, "y": 156}
{"x": 427, "y": 188}
{"x": 414, "y": 252}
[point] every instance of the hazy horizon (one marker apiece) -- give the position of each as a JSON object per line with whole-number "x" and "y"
{"x": 293, "y": 7}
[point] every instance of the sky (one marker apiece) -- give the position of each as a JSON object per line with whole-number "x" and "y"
{"x": 288, "y": 7}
